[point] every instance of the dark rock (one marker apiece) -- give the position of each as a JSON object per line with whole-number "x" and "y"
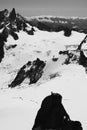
{"x": 36, "y": 70}
{"x": 71, "y": 56}
{"x": 83, "y": 59}
{"x": 64, "y": 52}
{"x": 32, "y": 70}
{"x": 54, "y": 59}
{"x": 22, "y": 74}
{"x": 53, "y": 116}
{"x": 1, "y": 50}
{"x": 67, "y": 31}
{"x": 14, "y": 35}
{"x": 30, "y": 32}
{"x": 14, "y": 22}
{"x": 12, "y": 15}
{"x": 82, "y": 42}
{"x": 20, "y": 24}
{"x": 3, "y": 39}
{"x": 10, "y": 46}
{"x": 67, "y": 60}
{"x": 3, "y": 14}
{"x": 4, "y": 35}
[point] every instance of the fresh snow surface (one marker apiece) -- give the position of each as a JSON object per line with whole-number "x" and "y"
{"x": 18, "y": 107}
{"x": 42, "y": 44}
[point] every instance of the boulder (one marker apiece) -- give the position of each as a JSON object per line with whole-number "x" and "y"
{"x": 32, "y": 70}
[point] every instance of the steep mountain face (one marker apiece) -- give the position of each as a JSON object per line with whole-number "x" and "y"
{"x": 14, "y": 22}
{"x": 32, "y": 70}
{"x": 10, "y": 24}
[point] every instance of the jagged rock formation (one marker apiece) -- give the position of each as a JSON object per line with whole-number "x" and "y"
{"x": 76, "y": 56}
{"x": 11, "y": 23}
{"x": 72, "y": 56}
{"x": 14, "y": 22}
{"x": 53, "y": 116}
{"x": 12, "y": 15}
{"x": 32, "y": 70}
{"x": 3, "y": 38}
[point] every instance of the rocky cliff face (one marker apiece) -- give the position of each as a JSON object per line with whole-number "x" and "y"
{"x": 10, "y": 24}
{"x": 14, "y": 21}
{"x": 32, "y": 70}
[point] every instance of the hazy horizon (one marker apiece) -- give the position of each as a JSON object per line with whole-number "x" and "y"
{"x": 47, "y": 7}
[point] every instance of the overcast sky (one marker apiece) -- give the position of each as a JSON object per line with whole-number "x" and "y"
{"x": 47, "y": 7}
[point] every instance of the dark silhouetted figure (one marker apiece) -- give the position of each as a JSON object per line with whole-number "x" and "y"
{"x": 53, "y": 116}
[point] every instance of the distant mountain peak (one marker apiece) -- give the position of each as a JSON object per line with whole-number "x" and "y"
{"x": 12, "y": 15}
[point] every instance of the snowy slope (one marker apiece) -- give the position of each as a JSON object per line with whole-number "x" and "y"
{"x": 44, "y": 45}
{"x": 18, "y": 108}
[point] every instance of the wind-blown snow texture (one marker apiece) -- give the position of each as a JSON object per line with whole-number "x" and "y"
{"x": 62, "y": 69}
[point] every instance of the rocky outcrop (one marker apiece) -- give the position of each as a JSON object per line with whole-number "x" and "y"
{"x": 72, "y": 57}
{"x": 1, "y": 50}
{"x": 76, "y": 56}
{"x": 14, "y": 35}
{"x": 53, "y": 116}
{"x": 10, "y": 47}
{"x": 3, "y": 14}
{"x": 83, "y": 59}
{"x": 11, "y": 23}
{"x": 12, "y": 15}
{"x": 67, "y": 31}
{"x": 3, "y": 39}
{"x": 14, "y": 22}
{"x": 32, "y": 70}
{"x": 82, "y": 42}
